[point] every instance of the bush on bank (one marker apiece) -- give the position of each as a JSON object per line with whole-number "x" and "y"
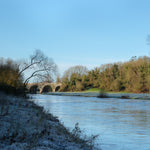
{"x": 11, "y": 82}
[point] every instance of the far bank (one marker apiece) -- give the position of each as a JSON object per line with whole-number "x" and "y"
{"x": 109, "y": 95}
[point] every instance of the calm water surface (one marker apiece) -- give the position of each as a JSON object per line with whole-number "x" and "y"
{"x": 122, "y": 124}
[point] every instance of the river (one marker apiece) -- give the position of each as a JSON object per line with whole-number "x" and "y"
{"x": 122, "y": 124}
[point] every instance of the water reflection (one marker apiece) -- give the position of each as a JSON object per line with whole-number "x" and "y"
{"x": 121, "y": 124}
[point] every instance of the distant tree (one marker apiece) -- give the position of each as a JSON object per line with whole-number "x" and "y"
{"x": 58, "y": 79}
{"x": 78, "y": 70}
{"x": 38, "y": 66}
{"x": 133, "y": 58}
{"x": 93, "y": 78}
{"x": 72, "y": 78}
{"x": 79, "y": 86}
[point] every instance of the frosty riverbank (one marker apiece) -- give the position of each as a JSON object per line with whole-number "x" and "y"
{"x": 25, "y": 126}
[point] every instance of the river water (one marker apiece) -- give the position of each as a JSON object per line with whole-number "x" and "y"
{"x": 122, "y": 124}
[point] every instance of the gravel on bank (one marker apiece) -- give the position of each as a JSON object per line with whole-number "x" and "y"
{"x": 26, "y": 126}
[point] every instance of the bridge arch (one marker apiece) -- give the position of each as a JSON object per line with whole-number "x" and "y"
{"x": 34, "y": 89}
{"x": 57, "y": 88}
{"x": 46, "y": 89}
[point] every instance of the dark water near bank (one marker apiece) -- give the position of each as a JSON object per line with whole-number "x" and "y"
{"x": 122, "y": 124}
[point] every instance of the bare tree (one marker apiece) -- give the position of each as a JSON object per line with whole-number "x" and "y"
{"x": 80, "y": 70}
{"x": 38, "y": 66}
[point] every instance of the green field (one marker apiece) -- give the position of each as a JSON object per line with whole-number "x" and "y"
{"x": 97, "y": 90}
{"x": 92, "y": 90}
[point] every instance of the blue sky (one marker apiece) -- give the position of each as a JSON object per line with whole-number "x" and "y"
{"x": 75, "y": 32}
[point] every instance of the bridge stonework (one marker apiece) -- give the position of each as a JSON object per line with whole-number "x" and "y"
{"x": 41, "y": 86}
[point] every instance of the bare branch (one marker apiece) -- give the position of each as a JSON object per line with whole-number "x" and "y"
{"x": 39, "y": 65}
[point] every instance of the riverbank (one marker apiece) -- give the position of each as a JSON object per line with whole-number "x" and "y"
{"x": 108, "y": 95}
{"x": 26, "y": 126}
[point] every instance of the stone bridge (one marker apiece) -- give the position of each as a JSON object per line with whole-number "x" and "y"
{"x": 43, "y": 87}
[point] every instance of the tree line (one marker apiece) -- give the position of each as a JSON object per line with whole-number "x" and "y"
{"x": 130, "y": 76}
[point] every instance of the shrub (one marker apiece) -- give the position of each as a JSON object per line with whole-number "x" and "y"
{"x": 11, "y": 82}
{"x": 102, "y": 94}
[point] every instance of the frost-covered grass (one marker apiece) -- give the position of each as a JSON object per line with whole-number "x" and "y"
{"x": 26, "y": 126}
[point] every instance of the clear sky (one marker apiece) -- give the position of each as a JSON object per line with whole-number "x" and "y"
{"x": 75, "y": 32}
